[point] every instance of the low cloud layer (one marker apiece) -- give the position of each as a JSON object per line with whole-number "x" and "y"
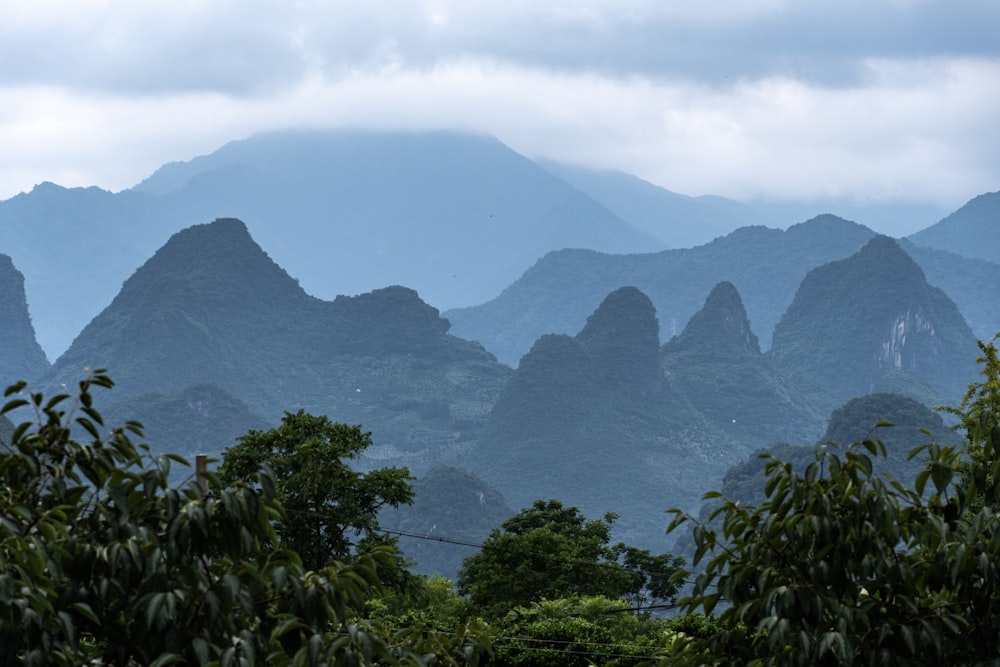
{"x": 870, "y": 101}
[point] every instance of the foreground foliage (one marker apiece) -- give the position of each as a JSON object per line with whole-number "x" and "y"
{"x": 840, "y": 566}
{"x": 550, "y": 551}
{"x": 102, "y": 561}
{"x": 328, "y": 506}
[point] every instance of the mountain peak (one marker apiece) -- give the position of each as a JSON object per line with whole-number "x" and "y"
{"x": 829, "y": 225}
{"x": 970, "y": 231}
{"x": 884, "y": 257}
{"x": 722, "y": 323}
{"x": 624, "y": 335}
{"x": 205, "y": 280}
{"x": 21, "y": 358}
{"x": 894, "y": 331}
{"x": 220, "y": 250}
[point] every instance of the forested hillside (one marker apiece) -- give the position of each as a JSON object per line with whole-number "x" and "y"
{"x": 212, "y": 307}
{"x": 765, "y": 265}
{"x": 903, "y": 335}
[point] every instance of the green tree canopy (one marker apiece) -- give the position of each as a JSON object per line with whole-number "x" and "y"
{"x": 549, "y": 551}
{"x": 103, "y": 562}
{"x": 840, "y": 566}
{"x": 328, "y": 505}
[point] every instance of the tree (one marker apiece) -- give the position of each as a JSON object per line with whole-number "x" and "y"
{"x": 979, "y": 416}
{"x": 328, "y": 505}
{"x": 840, "y": 566}
{"x": 551, "y": 551}
{"x": 576, "y": 632}
{"x": 103, "y": 562}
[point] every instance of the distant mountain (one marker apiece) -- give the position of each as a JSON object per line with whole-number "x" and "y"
{"x": 453, "y": 510}
{"x": 211, "y": 307}
{"x": 872, "y": 323}
{"x": 972, "y": 231}
{"x": 21, "y": 357}
{"x": 200, "y": 419}
{"x": 973, "y": 284}
{"x": 852, "y": 422}
{"x": 681, "y": 221}
{"x": 766, "y": 266}
{"x": 76, "y": 247}
{"x": 558, "y": 292}
{"x": 455, "y": 216}
{"x": 717, "y": 363}
{"x": 590, "y": 419}
{"x": 675, "y": 220}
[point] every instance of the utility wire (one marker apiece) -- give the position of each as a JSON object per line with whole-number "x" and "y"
{"x": 478, "y": 545}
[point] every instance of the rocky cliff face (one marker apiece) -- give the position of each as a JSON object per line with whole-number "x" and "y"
{"x": 21, "y": 358}
{"x": 871, "y": 323}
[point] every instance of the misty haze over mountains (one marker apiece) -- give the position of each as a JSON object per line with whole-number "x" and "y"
{"x": 590, "y": 355}
{"x": 457, "y": 217}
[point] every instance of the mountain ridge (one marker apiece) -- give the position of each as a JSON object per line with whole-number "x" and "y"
{"x": 904, "y": 335}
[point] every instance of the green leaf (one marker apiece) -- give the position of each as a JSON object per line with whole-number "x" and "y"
{"x": 166, "y": 659}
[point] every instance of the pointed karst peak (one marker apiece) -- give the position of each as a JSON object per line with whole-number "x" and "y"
{"x": 885, "y": 257}
{"x": 219, "y": 253}
{"x": 623, "y": 336}
{"x": 722, "y": 323}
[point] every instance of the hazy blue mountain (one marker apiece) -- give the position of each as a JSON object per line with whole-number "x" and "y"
{"x": 889, "y": 218}
{"x": 717, "y": 363}
{"x": 972, "y": 231}
{"x": 450, "y": 505}
{"x": 21, "y": 358}
{"x": 675, "y": 220}
{"x": 872, "y": 323}
{"x": 561, "y": 289}
{"x": 211, "y": 307}
{"x": 682, "y": 221}
{"x": 457, "y": 217}
{"x": 76, "y": 247}
{"x": 766, "y": 266}
{"x": 852, "y": 422}
{"x": 973, "y": 284}
{"x": 590, "y": 419}
{"x": 200, "y": 419}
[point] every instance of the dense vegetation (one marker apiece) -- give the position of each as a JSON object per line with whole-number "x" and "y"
{"x": 102, "y": 559}
{"x": 906, "y": 335}
{"x": 842, "y": 566}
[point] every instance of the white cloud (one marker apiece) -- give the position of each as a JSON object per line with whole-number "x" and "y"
{"x": 755, "y": 101}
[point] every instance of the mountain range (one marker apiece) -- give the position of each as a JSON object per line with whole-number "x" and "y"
{"x": 766, "y": 266}
{"x": 456, "y": 217}
{"x": 211, "y": 337}
{"x": 641, "y": 378}
{"x": 906, "y": 336}
{"x": 212, "y": 307}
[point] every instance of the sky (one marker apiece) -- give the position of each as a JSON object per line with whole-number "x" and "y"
{"x": 871, "y": 101}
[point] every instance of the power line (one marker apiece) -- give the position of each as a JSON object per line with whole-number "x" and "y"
{"x": 481, "y": 546}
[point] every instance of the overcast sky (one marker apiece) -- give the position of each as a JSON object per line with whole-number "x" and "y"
{"x": 871, "y": 100}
